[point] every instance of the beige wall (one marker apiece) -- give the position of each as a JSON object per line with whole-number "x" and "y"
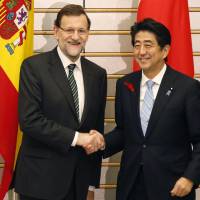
{"x": 109, "y": 46}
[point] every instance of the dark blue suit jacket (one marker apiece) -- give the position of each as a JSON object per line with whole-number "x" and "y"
{"x": 171, "y": 147}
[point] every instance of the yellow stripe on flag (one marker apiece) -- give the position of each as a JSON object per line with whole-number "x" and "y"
{"x": 16, "y": 44}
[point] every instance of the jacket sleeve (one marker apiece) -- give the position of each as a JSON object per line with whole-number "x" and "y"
{"x": 192, "y": 102}
{"x": 114, "y": 139}
{"x": 96, "y": 158}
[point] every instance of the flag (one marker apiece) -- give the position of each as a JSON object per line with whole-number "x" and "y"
{"x": 16, "y": 43}
{"x": 175, "y": 16}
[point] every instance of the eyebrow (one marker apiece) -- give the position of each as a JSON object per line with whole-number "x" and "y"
{"x": 145, "y": 41}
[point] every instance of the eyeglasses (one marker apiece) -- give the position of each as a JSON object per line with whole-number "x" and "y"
{"x": 71, "y": 31}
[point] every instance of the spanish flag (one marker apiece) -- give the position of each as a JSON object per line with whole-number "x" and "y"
{"x": 16, "y": 43}
{"x": 174, "y": 14}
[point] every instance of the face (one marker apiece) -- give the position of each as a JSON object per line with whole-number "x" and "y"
{"x": 148, "y": 53}
{"x": 72, "y": 35}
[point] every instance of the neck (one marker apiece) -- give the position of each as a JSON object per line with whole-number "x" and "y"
{"x": 73, "y": 59}
{"x": 150, "y": 74}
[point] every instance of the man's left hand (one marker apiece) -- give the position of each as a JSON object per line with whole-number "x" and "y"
{"x": 182, "y": 187}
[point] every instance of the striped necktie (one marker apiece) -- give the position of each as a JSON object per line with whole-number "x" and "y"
{"x": 147, "y": 106}
{"x": 73, "y": 87}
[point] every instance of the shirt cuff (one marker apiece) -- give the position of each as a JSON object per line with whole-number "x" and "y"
{"x": 75, "y": 139}
{"x": 91, "y": 188}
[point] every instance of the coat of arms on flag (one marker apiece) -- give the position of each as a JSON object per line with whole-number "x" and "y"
{"x": 13, "y": 17}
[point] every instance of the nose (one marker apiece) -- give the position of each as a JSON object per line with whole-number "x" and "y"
{"x": 142, "y": 50}
{"x": 75, "y": 35}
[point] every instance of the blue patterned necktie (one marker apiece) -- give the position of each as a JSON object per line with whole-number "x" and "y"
{"x": 147, "y": 106}
{"x": 73, "y": 87}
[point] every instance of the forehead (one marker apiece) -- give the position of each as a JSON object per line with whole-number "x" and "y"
{"x": 74, "y": 21}
{"x": 145, "y": 36}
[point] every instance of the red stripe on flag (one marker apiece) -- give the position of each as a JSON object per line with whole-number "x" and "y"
{"x": 175, "y": 16}
{"x": 8, "y": 128}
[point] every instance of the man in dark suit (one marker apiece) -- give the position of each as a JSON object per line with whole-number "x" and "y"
{"x": 158, "y": 123}
{"x": 61, "y": 98}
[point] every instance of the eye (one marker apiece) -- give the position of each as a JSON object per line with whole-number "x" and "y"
{"x": 69, "y": 31}
{"x": 148, "y": 46}
{"x": 137, "y": 46}
{"x": 82, "y": 31}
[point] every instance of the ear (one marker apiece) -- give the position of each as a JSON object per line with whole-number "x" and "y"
{"x": 166, "y": 50}
{"x": 55, "y": 31}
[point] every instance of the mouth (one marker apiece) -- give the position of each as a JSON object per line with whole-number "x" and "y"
{"x": 74, "y": 43}
{"x": 143, "y": 59}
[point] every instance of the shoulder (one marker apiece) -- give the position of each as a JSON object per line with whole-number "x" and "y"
{"x": 37, "y": 60}
{"x": 93, "y": 67}
{"x": 182, "y": 79}
{"x": 131, "y": 77}
{"x": 185, "y": 84}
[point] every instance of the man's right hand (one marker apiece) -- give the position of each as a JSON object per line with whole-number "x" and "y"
{"x": 91, "y": 142}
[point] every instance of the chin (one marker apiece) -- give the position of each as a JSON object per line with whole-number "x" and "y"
{"x": 143, "y": 67}
{"x": 75, "y": 53}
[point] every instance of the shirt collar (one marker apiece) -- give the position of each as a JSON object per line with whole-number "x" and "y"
{"x": 66, "y": 61}
{"x": 157, "y": 79}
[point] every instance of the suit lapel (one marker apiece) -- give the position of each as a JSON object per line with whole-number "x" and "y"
{"x": 88, "y": 80}
{"x": 135, "y": 97}
{"x": 165, "y": 93}
{"x": 57, "y": 72}
{"x": 138, "y": 82}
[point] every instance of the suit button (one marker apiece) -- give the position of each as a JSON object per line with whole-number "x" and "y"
{"x": 144, "y": 146}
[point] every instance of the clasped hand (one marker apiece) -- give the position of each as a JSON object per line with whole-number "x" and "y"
{"x": 91, "y": 142}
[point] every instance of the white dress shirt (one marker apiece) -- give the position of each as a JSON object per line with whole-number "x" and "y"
{"x": 78, "y": 75}
{"x": 157, "y": 81}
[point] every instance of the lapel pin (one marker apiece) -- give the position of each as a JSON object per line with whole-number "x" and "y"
{"x": 168, "y": 93}
{"x": 129, "y": 86}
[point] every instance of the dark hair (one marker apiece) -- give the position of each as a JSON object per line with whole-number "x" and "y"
{"x": 160, "y": 31}
{"x": 71, "y": 10}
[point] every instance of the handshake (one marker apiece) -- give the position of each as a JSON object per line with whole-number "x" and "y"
{"x": 91, "y": 142}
